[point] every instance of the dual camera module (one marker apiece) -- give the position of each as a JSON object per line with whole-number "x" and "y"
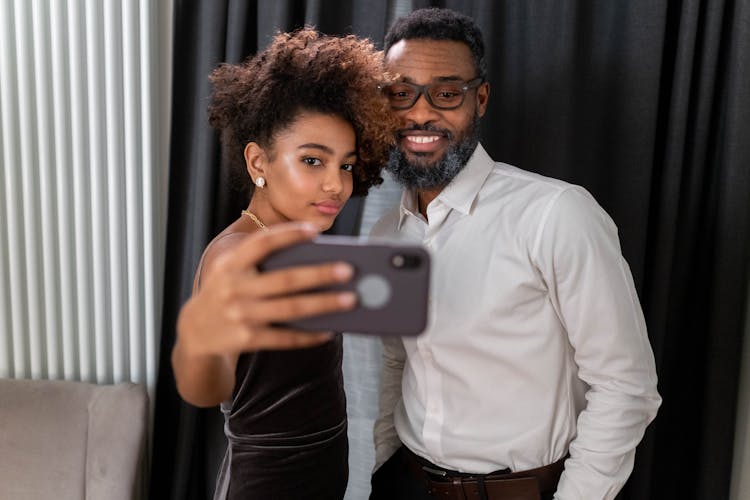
{"x": 406, "y": 261}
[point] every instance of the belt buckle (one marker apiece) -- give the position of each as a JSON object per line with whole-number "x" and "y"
{"x": 441, "y": 484}
{"x": 436, "y": 472}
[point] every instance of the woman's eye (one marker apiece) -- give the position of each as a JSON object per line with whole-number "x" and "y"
{"x": 313, "y": 162}
{"x": 347, "y": 167}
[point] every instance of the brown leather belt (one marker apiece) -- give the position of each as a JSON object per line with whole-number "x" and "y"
{"x": 522, "y": 485}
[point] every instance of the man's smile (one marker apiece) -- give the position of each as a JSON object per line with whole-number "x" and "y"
{"x": 423, "y": 141}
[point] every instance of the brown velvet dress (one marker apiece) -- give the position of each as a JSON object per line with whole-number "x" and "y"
{"x": 286, "y": 427}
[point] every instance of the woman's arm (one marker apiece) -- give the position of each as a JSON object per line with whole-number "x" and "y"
{"x": 235, "y": 306}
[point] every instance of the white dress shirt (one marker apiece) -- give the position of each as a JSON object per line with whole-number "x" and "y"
{"x": 536, "y": 344}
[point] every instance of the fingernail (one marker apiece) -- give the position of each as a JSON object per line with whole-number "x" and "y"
{"x": 347, "y": 298}
{"x": 309, "y": 227}
{"x": 343, "y": 271}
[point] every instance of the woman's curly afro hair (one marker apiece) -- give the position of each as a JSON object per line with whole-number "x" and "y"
{"x": 305, "y": 71}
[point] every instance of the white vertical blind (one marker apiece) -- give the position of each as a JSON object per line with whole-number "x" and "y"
{"x": 84, "y": 112}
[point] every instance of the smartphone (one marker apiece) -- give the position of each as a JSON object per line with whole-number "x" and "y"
{"x": 391, "y": 280}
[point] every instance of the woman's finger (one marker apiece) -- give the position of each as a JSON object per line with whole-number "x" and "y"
{"x": 283, "y": 309}
{"x": 293, "y": 280}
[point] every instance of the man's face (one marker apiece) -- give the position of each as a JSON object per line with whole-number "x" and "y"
{"x": 434, "y": 144}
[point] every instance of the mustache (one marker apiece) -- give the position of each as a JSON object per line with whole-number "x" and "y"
{"x": 427, "y": 127}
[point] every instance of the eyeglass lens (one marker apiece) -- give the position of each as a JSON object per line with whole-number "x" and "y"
{"x": 442, "y": 95}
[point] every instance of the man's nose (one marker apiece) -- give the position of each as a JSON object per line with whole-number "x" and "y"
{"x": 421, "y": 112}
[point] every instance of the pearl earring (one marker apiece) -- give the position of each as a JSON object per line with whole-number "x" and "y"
{"x": 260, "y": 182}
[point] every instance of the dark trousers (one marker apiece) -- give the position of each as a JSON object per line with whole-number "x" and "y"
{"x": 394, "y": 481}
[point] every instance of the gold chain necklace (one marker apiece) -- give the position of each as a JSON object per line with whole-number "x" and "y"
{"x": 255, "y": 219}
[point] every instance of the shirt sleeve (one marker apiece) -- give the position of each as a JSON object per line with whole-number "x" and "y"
{"x": 385, "y": 436}
{"x": 592, "y": 290}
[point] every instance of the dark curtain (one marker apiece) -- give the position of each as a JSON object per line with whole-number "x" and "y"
{"x": 645, "y": 103}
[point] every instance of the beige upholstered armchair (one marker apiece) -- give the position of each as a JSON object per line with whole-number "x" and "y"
{"x": 71, "y": 440}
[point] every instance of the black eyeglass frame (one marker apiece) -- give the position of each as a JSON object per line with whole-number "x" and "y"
{"x": 424, "y": 90}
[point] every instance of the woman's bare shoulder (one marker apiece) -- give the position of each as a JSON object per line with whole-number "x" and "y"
{"x": 222, "y": 244}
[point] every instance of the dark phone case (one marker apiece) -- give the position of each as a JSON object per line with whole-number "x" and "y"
{"x": 392, "y": 300}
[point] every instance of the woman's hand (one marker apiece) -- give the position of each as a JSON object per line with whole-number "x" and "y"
{"x": 235, "y": 306}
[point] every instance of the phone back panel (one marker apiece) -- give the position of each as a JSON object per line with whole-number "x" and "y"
{"x": 391, "y": 281}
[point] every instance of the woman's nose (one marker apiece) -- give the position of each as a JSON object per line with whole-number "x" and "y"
{"x": 333, "y": 182}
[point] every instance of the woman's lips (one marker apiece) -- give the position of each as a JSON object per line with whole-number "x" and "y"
{"x": 328, "y": 207}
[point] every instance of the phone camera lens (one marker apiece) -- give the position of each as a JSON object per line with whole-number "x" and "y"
{"x": 402, "y": 261}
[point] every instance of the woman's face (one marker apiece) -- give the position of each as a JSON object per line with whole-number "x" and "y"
{"x": 308, "y": 171}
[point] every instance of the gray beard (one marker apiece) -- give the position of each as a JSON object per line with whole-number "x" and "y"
{"x": 438, "y": 174}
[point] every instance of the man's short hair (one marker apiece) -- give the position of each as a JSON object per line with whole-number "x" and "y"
{"x": 439, "y": 24}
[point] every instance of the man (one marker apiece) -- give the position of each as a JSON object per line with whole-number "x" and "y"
{"x": 535, "y": 377}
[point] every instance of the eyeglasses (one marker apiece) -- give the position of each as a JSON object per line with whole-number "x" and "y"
{"x": 442, "y": 95}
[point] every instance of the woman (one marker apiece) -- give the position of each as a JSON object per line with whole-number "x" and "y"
{"x": 306, "y": 122}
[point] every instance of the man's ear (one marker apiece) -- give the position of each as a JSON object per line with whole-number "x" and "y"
{"x": 255, "y": 160}
{"x": 483, "y": 95}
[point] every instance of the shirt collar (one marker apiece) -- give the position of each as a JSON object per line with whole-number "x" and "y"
{"x": 461, "y": 192}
